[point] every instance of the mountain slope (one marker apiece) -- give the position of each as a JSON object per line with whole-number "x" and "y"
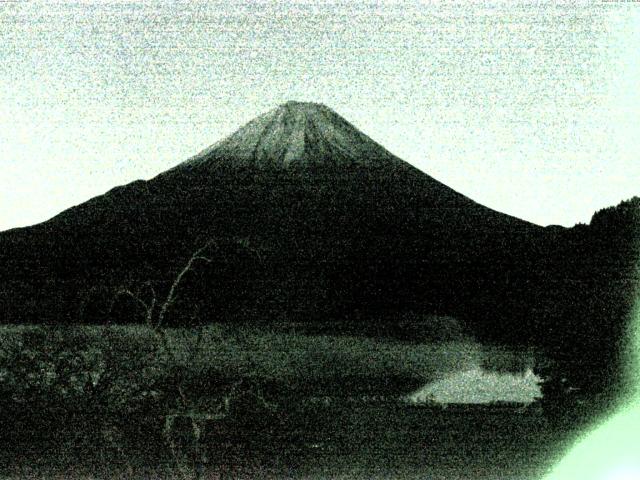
{"x": 310, "y": 220}
{"x": 337, "y": 219}
{"x": 302, "y": 153}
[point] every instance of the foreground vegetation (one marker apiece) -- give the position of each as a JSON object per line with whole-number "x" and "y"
{"x": 246, "y": 402}
{"x": 116, "y": 387}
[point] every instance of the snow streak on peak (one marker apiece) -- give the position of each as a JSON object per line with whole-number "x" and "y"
{"x": 294, "y": 135}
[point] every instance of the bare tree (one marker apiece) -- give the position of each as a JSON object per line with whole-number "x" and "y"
{"x": 156, "y": 312}
{"x": 198, "y": 256}
{"x": 151, "y": 305}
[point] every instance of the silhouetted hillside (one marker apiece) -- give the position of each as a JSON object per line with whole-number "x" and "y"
{"x": 592, "y": 289}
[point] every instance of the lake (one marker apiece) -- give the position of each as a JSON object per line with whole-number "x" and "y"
{"x": 338, "y": 440}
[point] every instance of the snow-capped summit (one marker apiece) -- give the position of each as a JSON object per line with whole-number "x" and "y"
{"x": 295, "y": 135}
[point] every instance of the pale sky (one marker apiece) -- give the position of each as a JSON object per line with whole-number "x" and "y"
{"x": 531, "y": 108}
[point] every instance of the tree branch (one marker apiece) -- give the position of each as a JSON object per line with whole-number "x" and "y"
{"x": 198, "y": 255}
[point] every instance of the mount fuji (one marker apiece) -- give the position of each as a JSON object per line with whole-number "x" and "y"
{"x": 311, "y": 220}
